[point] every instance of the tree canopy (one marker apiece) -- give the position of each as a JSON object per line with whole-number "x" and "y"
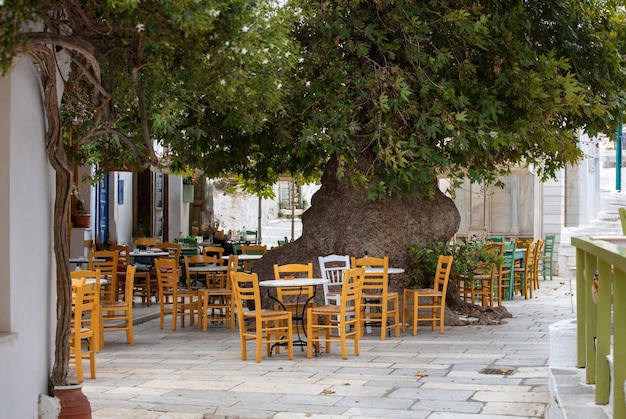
{"x": 399, "y": 91}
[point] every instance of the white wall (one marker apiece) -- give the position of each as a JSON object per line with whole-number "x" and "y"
{"x": 27, "y": 269}
{"x": 121, "y": 215}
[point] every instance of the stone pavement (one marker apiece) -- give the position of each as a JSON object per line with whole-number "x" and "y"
{"x": 472, "y": 371}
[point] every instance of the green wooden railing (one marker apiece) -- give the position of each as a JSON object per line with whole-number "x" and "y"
{"x": 601, "y": 321}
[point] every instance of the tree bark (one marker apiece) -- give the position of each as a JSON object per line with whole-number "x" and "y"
{"x": 341, "y": 220}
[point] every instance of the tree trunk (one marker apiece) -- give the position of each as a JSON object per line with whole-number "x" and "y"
{"x": 340, "y": 220}
{"x": 46, "y": 65}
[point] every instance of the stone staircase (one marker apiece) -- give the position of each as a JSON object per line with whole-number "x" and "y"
{"x": 607, "y": 224}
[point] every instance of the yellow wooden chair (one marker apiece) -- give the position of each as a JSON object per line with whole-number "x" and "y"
{"x": 81, "y": 277}
{"x": 218, "y": 303}
{"x": 82, "y": 332}
{"x": 208, "y": 279}
{"x": 342, "y": 321}
{"x": 523, "y": 275}
{"x": 174, "y": 299}
{"x": 294, "y": 299}
{"x": 118, "y": 315}
{"x": 106, "y": 262}
{"x": 145, "y": 276}
{"x": 538, "y": 252}
{"x": 264, "y": 326}
{"x": 433, "y": 299}
{"x": 379, "y": 305}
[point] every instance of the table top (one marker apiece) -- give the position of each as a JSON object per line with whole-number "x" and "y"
{"x": 103, "y": 281}
{"x": 245, "y": 257}
{"x": 296, "y": 282}
{"x": 390, "y": 271}
{"x": 148, "y": 253}
{"x": 208, "y": 268}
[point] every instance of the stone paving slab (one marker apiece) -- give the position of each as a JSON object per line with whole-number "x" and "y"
{"x": 188, "y": 373}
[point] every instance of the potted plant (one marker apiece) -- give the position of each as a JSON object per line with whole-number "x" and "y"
{"x": 82, "y": 218}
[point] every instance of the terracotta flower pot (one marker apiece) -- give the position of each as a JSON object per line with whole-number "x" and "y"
{"x": 74, "y": 404}
{"x": 82, "y": 220}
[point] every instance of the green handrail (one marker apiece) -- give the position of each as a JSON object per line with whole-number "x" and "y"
{"x": 601, "y": 316}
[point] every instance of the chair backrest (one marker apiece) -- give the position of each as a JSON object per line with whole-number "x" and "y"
{"x": 351, "y": 290}
{"x": 236, "y": 248}
{"x": 123, "y": 258}
{"x": 509, "y": 255}
{"x": 538, "y": 252}
{"x": 80, "y": 276}
{"x": 253, "y": 249}
{"x": 198, "y": 260}
{"x": 246, "y": 293}
{"x": 173, "y": 250}
{"x": 548, "y": 244}
{"x": 106, "y": 262}
{"x": 376, "y": 278}
{"x": 442, "y": 273}
{"x": 145, "y": 242}
{"x": 233, "y": 266}
{"x": 217, "y": 251}
{"x": 495, "y": 239}
{"x": 167, "y": 276}
{"x": 292, "y": 271}
{"x": 129, "y": 283}
{"x": 529, "y": 258}
{"x": 85, "y": 298}
{"x": 332, "y": 268}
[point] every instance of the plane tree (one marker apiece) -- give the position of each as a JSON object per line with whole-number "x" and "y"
{"x": 381, "y": 96}
{"x": 396, "y": 94}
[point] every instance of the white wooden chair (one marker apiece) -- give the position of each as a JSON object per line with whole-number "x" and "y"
{"x": 332, "y": 268}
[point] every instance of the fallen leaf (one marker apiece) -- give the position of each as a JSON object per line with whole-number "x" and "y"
{"x": 421, "y": 374}
{"x": 346, "y": 384}
{"x": 308, "y": 415}
{"x": 327, "y": 391}
{"x": 562, "y": 283}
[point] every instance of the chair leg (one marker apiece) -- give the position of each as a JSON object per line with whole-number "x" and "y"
{"x": 309, "y": 332}
{"x": 130, "y": 335}
{"x": 396, "y": 315}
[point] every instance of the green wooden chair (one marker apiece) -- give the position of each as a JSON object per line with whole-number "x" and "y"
{"x": 546, "y": 258}
{"x": 508, "y": 270}
{"x": 495, "y": 239}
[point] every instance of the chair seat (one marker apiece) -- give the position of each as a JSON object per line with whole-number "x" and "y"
{"x": 378, "y": 296}
{"x": 182, "y": 291}
{"x": 216, "y": 291}
{"x": 330, "y": 309}
{"x": 425, "y": 292}
{"x": 264, "y": 313}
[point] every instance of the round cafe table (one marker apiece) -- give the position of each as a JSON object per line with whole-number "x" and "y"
{"x": 299, "y": 283}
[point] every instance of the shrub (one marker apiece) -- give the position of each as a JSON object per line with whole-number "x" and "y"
{"x": 468, "y": 256}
